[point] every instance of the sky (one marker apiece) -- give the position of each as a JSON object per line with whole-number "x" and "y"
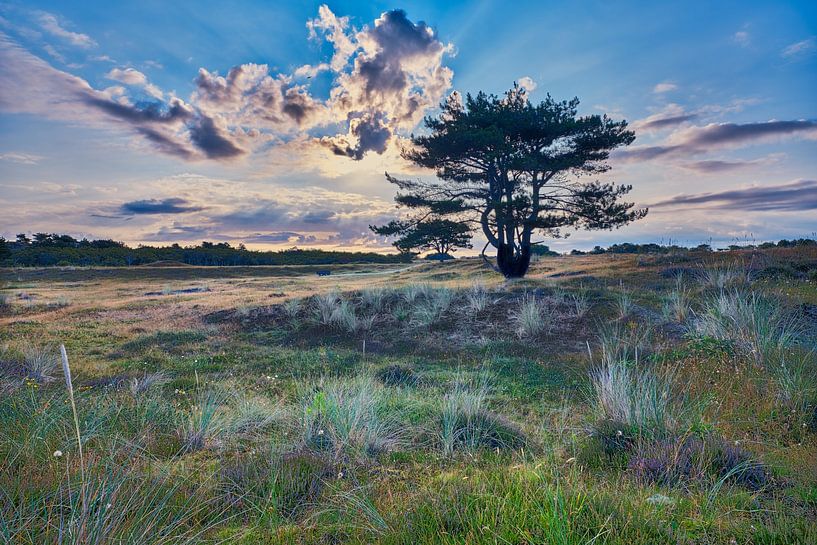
{"x": 273, "y": 123}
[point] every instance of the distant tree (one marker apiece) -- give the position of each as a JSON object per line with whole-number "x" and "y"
{"x": 5, "y": 252}
{"x": 440, "y": 235}
{"x": 512, "y": 169}
{"x": 542, "y": 250}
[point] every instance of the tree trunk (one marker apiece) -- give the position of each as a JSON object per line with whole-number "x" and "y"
{"x": 512, "y": 264}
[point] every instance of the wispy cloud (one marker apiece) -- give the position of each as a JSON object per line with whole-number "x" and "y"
{"x": 742, "y": 38}
{"x": 800, "y": 49}
{"x": 697, "y": 140}
{"x": 796, "y": 196}
{"x": 20, "y": 158}
{"x": 52, "y": 25}
{"x": 131, "y": 76}
{"x": 664, "y": 87}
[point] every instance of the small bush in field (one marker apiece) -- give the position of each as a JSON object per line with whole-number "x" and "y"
{"x": 476, "y": 299}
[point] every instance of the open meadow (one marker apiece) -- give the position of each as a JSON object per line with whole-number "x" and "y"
{"x": 634, "y": 399}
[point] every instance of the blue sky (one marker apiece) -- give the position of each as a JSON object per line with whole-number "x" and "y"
{"x": 123, "y": 121}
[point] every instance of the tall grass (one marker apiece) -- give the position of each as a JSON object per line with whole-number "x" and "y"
{"x": 620, "y": 341}
{"x": 756, "y": 324}
{"x": 206, "y": 419}
{"x": 726, "y": 275}
{"x": 476, "y": 299}
{"x": 466, "y": 423}
{"x": 326, "y": 305}
{"x": 431, "y": 309}
{"x": 529, "y": 318}
{"x": 40, "y": 362}
{"x": 677, "y": 302}
{"x": 647, "y": 402}
{"x": 348, "y": 418}
{"x": 624, "y": 302}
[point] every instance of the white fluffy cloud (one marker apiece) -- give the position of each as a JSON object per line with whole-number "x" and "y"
{"x": 384, "y": 78}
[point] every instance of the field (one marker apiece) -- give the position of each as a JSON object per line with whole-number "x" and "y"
{"x": 604, "y": 398}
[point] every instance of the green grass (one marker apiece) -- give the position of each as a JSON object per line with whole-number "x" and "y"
{"x": 202, "y": 424}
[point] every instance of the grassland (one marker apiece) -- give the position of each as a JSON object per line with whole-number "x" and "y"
{"x": 604, "y": 399}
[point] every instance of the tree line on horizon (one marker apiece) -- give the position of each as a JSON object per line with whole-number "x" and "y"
{"x": 52, "y": 249}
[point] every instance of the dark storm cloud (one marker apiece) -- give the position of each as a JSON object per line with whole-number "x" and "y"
{"x": 213, "y": 140}
{"x": 158, "y": 206}
{"x": 792, "y": 197}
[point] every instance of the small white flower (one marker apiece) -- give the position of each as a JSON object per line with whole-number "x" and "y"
{"x": 340, "y": 475}
{"x": 320, "y": 432}
{"x": 108, "y": 506}
{"x": 619, "y": 433}
{"x": 57, "y": 454}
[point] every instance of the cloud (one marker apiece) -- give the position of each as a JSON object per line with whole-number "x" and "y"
{"x": 213, "y": 139}
{"x": 664, "y": 87}
{"x": 51, "y": 24}
{"x": 742, "y": 38}
{"x": 172, "y": 205}
{"x": 670, "y": 115}
{"x": 796, "y": 196}
{"x": 384, "y": 79}
{"x": 131, "y": 76}
{"x": 800, "y": 49}
{"x": 527, "y": 83}
{"x": 716, "y": 166}
{"x": 20, "y": 158}
{"x": 366, "y": 133}
{"x": 697, "y": 140}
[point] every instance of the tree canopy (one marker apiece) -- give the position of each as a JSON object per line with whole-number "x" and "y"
{"x": 443, "y": 236}
{"x": 511, "y": 168}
